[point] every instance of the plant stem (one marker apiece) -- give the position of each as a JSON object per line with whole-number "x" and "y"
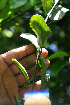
{"x": 34, "y": 75}
{"x": 38, "y": 55}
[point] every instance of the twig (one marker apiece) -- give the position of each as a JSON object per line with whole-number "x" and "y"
{"x": 38, "y": 55}
{"x": 50, "y": 11}
{"x": 23, "y": 11}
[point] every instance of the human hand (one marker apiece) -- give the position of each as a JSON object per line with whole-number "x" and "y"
{"x": 10, "y": 76}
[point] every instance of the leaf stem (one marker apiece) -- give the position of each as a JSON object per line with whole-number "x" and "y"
{"x": 38, "y": 55}
{"x": 34, "y": 76}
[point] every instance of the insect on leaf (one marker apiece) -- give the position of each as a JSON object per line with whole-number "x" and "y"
{"x": 22, "y": 69}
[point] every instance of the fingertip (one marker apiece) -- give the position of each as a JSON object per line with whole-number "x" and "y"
{"x": 47, "y": 62}
{"x": 38, "y": 82}
{"x": 37, "y": 85}
{"x": 44, "y": 54}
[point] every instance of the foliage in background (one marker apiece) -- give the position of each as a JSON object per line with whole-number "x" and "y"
{"x": 14, "y": 20}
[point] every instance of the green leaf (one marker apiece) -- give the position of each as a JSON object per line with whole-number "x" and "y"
{"x": 8, "y": 24}
{"x": 16, "y": 99}
{"x": 47, "y": 4}
{"x": 57, "y": 66}
{"x": 40, "y": 28}
{"x": 17, "y": 3}
{"x": 44, "y": 68}
{"x": 5, "y": 12}
{"x": 2, "y": 3}
{"x": 65, "y": 1}
{"x": 58, "y": 54}
{"x": 31, "y": 38}
{"x": 58, "y": 13}
{"x": 32, "y": 2}
{"x": 29, "y": 5}
{"x": 22, "y": 69}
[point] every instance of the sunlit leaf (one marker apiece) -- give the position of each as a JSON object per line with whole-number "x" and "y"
{"x": 57, "y": 66}
{"x": 47, "y": 4}
{"x": 22, "y": 69}
{"x": 44, "y": 68}
{"x": 2, "y": 3}
{"x": 31, "y": 38}
{"x": 5, "y": 12}
{"x": 17, "y": 3}
{"x": 58, "y": 54}
{"x": 40, "y": 28}
{"x": 33, "y": 2}
{"x": 58, "y": 12}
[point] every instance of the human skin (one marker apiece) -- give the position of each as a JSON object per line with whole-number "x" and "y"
{"x": 10, "y": 76}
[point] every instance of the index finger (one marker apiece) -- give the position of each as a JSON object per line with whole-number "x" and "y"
{"x": 18, "y": 53}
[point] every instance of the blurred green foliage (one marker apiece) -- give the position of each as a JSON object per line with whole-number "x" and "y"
{"x": 15, "y": 19}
